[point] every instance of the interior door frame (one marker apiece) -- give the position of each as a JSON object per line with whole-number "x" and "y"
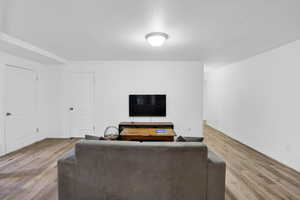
{"x": 4, "y": 99}
{"x": 2, "y": 118}
{"x": 93, "y": 74}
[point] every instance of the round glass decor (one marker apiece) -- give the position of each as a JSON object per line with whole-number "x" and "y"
{"x": 111, "y": 133}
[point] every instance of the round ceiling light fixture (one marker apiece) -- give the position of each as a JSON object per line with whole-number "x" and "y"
{"x": 156, "y": 39}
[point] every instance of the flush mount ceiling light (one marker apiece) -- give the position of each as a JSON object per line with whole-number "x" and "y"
{"x": 156, "y": 39}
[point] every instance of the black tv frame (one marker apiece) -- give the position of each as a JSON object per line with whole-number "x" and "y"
{"x": 163, "y": 112}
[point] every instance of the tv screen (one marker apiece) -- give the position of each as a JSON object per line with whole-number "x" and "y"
{"x": 147, "y": 105}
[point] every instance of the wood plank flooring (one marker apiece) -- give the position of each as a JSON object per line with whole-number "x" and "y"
{"x": 31, "y": 173}
{"x": 250, "y": 174}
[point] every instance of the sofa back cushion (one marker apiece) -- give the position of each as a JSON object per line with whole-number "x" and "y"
{"x": 135, "y": 170}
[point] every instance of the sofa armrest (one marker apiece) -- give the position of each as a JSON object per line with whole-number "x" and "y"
{"x": 66, "y": 167}
{"x": 216, "y": 177}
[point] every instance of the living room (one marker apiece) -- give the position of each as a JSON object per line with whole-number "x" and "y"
{"x": 149, "y": 100}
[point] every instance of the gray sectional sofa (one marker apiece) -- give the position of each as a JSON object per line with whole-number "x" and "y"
{"x": 118, "y": 170}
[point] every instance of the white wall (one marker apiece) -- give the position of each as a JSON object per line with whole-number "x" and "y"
{"x": 181, "y": 81}
{"x": 257, "y": 101}
{"x": 2, "y": 13}
{"x": 48, "y": 98}
{"x": 205, "y": 104}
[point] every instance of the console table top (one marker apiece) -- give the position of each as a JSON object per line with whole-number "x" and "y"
{"x": 146, "y": 123}
{"x": 146, "y": 132}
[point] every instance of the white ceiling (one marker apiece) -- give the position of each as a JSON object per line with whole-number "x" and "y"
{"x": 213, "y": 31}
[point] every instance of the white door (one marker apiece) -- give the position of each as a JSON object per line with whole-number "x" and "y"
{"x": 20, "y": 107}
{"x": 81, "y": 104}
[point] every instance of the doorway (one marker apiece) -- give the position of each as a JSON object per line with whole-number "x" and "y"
{"x": 20, "y": 107}
{"x": 81, "y": 111}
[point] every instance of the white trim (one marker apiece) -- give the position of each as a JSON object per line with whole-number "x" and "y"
{"x": 19, "y": 67}
{"x": 29, "y": 47}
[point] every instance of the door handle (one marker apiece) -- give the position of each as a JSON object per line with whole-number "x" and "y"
{"x": 8, "y": 114}
{"x": 71, "y": 109}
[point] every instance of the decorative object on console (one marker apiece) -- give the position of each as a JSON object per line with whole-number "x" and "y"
{"x": 111, "y": 133}
{"x": 161, "y": 131}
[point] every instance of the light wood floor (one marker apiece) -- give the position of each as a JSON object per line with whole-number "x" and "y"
{"x": 251, "y": 175}
{"x": 30, "y": 173}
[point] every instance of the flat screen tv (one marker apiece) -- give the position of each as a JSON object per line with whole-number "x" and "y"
{"x": 147, "y": 105}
